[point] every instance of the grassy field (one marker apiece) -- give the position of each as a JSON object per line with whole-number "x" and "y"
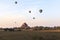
{"x": 29, "y": 35}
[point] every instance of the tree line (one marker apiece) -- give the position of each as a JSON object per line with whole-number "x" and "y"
{"x": 26, "y": 27}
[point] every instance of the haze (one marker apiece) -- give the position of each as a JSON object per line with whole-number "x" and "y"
{"x": 12, "y": 15}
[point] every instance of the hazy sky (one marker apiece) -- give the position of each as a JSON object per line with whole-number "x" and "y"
{"x": 12, "y": 14}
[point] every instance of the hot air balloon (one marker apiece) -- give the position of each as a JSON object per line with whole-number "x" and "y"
{"x": 40, "y": 10}
{"x": 15, "y": 2}
{"x": 29, "y": 11}
{"x": 33, "y": 17}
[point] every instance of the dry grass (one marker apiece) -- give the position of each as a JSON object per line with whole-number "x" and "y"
{"x": 30, "y": 35}
{"x": 49, "y": 30}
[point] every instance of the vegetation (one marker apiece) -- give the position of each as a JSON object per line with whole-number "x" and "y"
{"x": 30, "y": 33}
{"x": 25, "y": 27}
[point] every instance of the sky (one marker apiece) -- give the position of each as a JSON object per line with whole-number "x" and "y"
{"x": 14, "y": 15}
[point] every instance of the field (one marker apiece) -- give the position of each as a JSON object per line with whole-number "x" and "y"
{"x": 29, "y": 35}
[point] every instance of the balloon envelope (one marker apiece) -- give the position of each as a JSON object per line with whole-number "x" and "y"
{"x": 33, "y": 17}
{"x": 40, "y": 10}
{"x": 29, "y": 11}
{"x": 15, "y": 2}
